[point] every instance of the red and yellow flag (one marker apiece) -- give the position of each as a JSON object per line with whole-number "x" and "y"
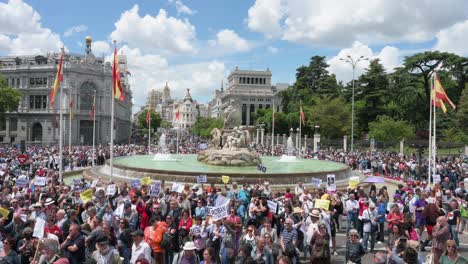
{"x": 177, "y": 114}
{"x": 58, "y": 80}
{"x": 148, "y": 116}
{"x": 117, "y": 88}
{"x": 302, "y": 116}
{"x": 439, "y": 96}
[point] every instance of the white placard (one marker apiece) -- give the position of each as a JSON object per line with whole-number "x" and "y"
{"x": 221, "y": 200}
{"x": 316, "y": 182}
{"x": 155, "y": 188}
{"x": 272, "y": 206}
{"x": 436, "y": 178}
{"x": 201, "y": 179}
{"x": 94, "y": 183}
{"x": 39, "y": 228}
{"x": 218, "y": 212}
{"x": 22, "y": 183}
{"x": 331, "y": 184}
{"x": 40, "y": 181}
{"x": 111, "y": 189}
{"x": 176, "y": 187}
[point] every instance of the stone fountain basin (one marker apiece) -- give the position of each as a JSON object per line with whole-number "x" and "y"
{"x": 185, "y": 168}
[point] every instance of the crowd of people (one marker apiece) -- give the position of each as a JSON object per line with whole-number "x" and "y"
{"x": 149, "y": 224}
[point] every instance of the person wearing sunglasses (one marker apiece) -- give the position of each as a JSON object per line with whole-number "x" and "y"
{"x": 354, "y": 249}
{"x": 8, "y": 255}
{"x": 452, "y": 255}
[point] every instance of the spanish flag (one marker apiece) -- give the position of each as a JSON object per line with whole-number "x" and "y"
{"x": 58, "y": 80}
{"x": 117, "y": 88}
{"x": 302, "y": 116}
{"x": 438, "y": 95}
{"x": 148, "y": 116}
{"x": 177, "y": 115}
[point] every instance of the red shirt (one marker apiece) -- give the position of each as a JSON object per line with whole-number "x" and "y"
{"x": 52, "y": 230}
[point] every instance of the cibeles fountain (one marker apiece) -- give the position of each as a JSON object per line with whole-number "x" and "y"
{"x": 230, "y": 154}
{"x": 230, "y": 146}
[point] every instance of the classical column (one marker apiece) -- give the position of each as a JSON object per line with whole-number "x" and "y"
{"x": 7, "y": 129}
{"x": 372, "y": 144}
{"x": 305, "y": 143}
{"x": 316, "y": 141}
{"x": 277, "y": 139}
{"x": 402, "y": 144}
{"x": 256, "y": 139}
{"x": 262, "y": 135}
{"x": 345, "y": 141}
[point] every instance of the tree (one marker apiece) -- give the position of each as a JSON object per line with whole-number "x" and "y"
{"x": 155, "y": 120}
{"x": 332, "y": 115}
{"x": 386, "y": 128}
{"x": 204, "y": 125}
{"x": 9, "y": 99}
{"x": 462, "y": 110}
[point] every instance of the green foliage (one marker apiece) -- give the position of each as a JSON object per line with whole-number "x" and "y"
{"x": 462, "y": 110}
{"x": 9, "y": 97}
{"x": 386, "y": 128}
{"x": 454, "y": 135}
{"x": 332, "y": 115}
{"x": 155, "y": 120}
{"x": 204, "y": 125}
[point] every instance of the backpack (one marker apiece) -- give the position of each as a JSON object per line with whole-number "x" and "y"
{"x": 166, "y": 242}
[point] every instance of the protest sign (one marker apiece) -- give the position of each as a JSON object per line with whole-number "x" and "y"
{"x": 176, "y": 187}
{"x": 273, "y": 206}
{"x": 76, "y": 181}
{"x": 94, "y": 183}
{"x": 353, "y": 181}
{"x": 201, "y": 179}
{"x": 221, "y": 200}
{"x": 4, "y": 212}
{"x": 219, "y": 212}
{"x": 87, "y": 195}
{"x": 146, "y": 181}
{"x": 316, "y": 182}
{"x": 111, "y": 189}
{"x": 261, "y": 168}
{"x": 225, "y": 179}
{"x": 40, "y": 181}
{"x": 331, "y": 184}
{"x": 155, "y": 188}
{"x": 21, "y": 183}
{"x": 135, "y": 183}
{"x": 39, "y": 228}
{"x": 436, "y": 178}
{"x": 119, "y": 210}
{"x": 324, "y": 204}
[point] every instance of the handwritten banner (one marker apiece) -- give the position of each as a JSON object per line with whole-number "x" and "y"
{"x": 219, "y": 212}
{"x": 111, "y": 189}
{"x": 155, "y": 188}
{"x": 21, "y": 183}
{"x": 87, "y": 195}
{"x": 40, "y": 181}
{"x": 201, "y": 179}
{"x": 324, "y": 204}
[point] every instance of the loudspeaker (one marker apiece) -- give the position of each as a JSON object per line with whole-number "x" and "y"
{"x": 23, "y": 146}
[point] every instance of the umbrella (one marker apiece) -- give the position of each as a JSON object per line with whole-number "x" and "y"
{"x": 374, "y": 179}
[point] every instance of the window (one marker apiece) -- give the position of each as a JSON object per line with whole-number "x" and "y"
{"x": 13, "y": 124}
{"x": 31, "y": 102}
{"x": 44, "y": 102}
{"x": 42, "y": 81}
{"x": 37, "y": 101}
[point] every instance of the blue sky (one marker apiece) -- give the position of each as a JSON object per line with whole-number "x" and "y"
{"x": 195, "y": 44}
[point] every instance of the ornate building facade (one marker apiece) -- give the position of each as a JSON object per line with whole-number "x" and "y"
{"x": 84, "y": 76}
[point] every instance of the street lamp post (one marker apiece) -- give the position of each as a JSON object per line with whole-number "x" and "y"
{"x": 353, "y": 63}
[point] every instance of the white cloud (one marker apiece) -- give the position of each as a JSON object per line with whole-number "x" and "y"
{"x": 454, "y": 39}
{"x": 155, "y": 33}
{"x": 340, "y": 23}
{"x": 264, "y": 16}
{"x": 150, "y": 71}
{"x": 229, "y": 41}
{"x": 100, "y": 47}
{"x": 182, "y": 8}
{"x": 272, "y": 49}
{"x": 21, "y": 31}
{"x": 76, "y": 29}
{"x": 389, "y": 57}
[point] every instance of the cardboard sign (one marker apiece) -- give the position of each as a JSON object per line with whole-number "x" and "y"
{"x": 262, "y": 168}
{"x": 39, "y": 228}
{"x": 331, "y": 184}
{"x": 436, "y": 178}
{"x": 324, "y": 204}
{"x": 40, "y": 181}
{"x": 273, "y": 206}
{"x": 155, "y": 188}
{"x": 146, "y": 181}
{"x": 135, "y": 183}
{"x": 316, "y": 182}
{"x": 225, "y": 179}
{"x": 4, "y": 212}
{"x": 219, "y": 212}
{"x": 353, "y": 182}
{"x": 87, "y": 195}
{"x": 201, "y": 179}
{"x": 22, "y": 183}
{"x": 111, "y": 189}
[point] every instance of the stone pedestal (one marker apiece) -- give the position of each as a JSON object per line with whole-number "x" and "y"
{"x": 316, "y": 141}
{"x": 256, "y": 139}
{"x": 345, "y": 143}
{"x": 229, "y": 157}
{"x": 402, "y": 145}
{"x": 277, "y": 139}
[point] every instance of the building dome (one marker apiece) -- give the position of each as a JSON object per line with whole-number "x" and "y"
{"x": 188, "y": 97}
{"x": 88, "y": 39}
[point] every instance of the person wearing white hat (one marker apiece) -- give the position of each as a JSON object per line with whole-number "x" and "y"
{"x": 188, "y": 255}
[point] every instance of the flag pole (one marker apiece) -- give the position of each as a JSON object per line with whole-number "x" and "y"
{"x": 61, "y": 129}
{"x": 273, "y": 130}
{"x": 94, "y": 128}
{"x": 434, "y": 146}
{"x": 149, "y": 131}
{"x": 111, "y": 162}
{"x": 430, "y": 135}
{"x": 70, "y": 112}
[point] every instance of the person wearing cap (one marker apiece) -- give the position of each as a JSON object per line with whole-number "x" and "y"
{"x": 187, "y": 256}
{"x": 140, "y": 249}
{"x": 104, "y": 254}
